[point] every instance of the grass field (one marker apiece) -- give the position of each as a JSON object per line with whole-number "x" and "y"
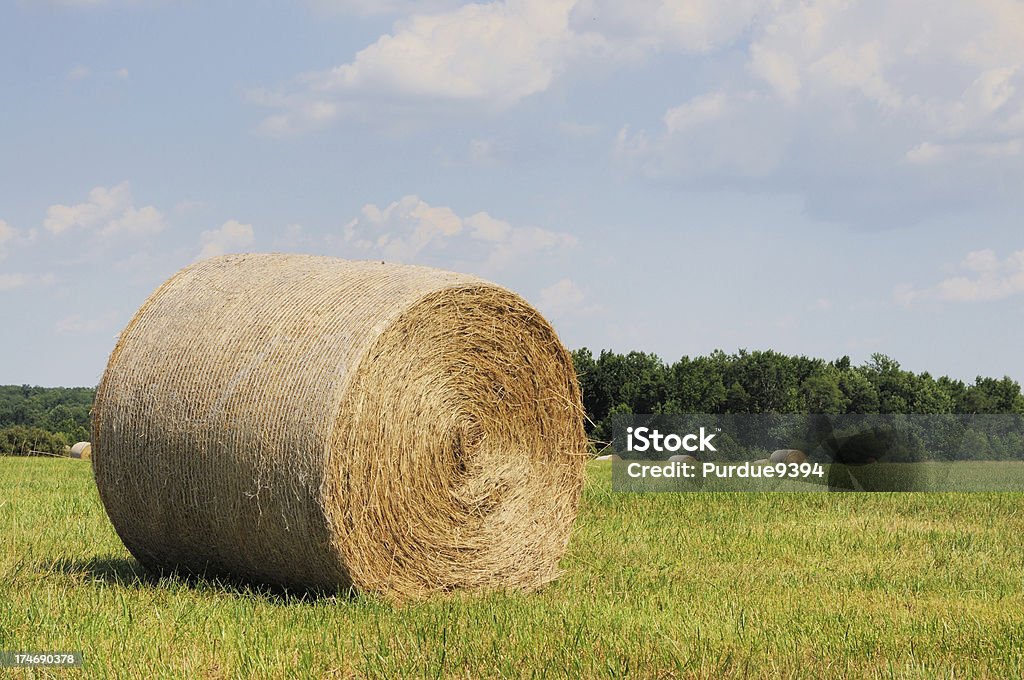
{"x": 655, "y": 586}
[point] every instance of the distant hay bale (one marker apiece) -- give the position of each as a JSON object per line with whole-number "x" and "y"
{"x": 796, "y": 457}
{"x": 318, "y": 424}
{"x": 761, "y": 461}
{"x": 682, "y": 458}
{"x": 609, "y": 456}
{"x": 783, "y": 455}
{"x": 82, "y": 450}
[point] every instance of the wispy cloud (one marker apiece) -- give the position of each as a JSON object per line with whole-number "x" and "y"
{"x": 232, "y": 236}
{"x": 12, "y": 281}
{"x": 987, "y": 277}
{"x": 410, "y": 228}
{"x": 485, "y": 55}
{"x": 565, "y": 298}
{"x": 109, "y": 211}
{"x": 7, "y": 234}
{"x": 79, "y": 72}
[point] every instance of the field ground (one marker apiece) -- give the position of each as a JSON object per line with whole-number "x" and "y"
{"x": 655, "y": 586}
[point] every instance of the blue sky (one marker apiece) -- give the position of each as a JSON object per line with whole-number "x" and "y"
{"x": 816, "y": 177}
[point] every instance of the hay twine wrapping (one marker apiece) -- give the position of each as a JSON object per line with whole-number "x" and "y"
{"x": 318, "y": 423}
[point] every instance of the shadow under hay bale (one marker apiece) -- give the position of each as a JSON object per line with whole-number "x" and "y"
{"x": 130, "y": 573}
{"x": 111, "y": 570}
{"x": 317, "y": 424}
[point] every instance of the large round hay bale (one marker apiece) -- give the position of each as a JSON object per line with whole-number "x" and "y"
{"x": 82, "y": 450}
{"x": 682, "y": 458}
{"x": 318, "y": 424}
{"x": 782, "y": 455}
{"x": 761, "y": 461}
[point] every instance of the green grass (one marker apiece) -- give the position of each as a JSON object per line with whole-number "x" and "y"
{"x": 656, "y": 585}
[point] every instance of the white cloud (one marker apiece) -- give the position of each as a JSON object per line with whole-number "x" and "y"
{"x": 487, "y": 228}
{"x": 141, "y": 221}
{"x": 718, "y": 134}
{"x": 932, "y": 153}
{"x": 498, "y": 52}
{"x": 403, "y": 229}
{"x": 488, "y": 55}
{"x": 17, "y": 280}
{"x": 869, "y": 111}
{"x": 692, "y": 26}
{"x": 925, "y": 153}
{"x": 560, "y": 298}
{"x": 701, "y": 110}
{"x": 989, "y": 278}
{"x": 960, "y": 66}
{"x": 778, "y": 69}
{"x": 409, "y": 228}
{"x": 232, "y": 236}
{"x": 372, "y": 7}
{"x": 565, "y": 298}
{"x": 109, "y": 211}
{"x": 295, "y": 238}
{"x": 839, "y": 102}
{"x": 12, "y": 281}
{"x": 7, "y": 234}
{"x": 300, "y": 111}
{"x": 79, "y": 72}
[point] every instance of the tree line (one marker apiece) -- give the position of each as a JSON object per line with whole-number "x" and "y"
{"x": 44, "y": 419}
{"x": 770, "y": 382}
{"x": 48, "y": 419}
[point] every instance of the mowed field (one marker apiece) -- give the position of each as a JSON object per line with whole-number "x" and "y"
{"x": 655, "y": 586}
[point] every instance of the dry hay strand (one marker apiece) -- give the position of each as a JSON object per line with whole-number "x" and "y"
{"x": 320, "y": 424}
{"x": 782, "y": 456}
{"x": 81, "y": 450}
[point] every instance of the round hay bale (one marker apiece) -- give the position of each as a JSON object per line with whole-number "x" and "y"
{"x": 782, "y": 455}
{"x": 609, "y": 457}
{"x": 320, "y": 424}
{"x": 682, "y": 458}
{"x": 82, "y": 450}
{"x": 761, "y": 461}
{"x": 796, "y": 457}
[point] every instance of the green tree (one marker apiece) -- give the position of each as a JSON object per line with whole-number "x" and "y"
{"x": 822, "y": 394}
{"x": 859, "y": 393}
